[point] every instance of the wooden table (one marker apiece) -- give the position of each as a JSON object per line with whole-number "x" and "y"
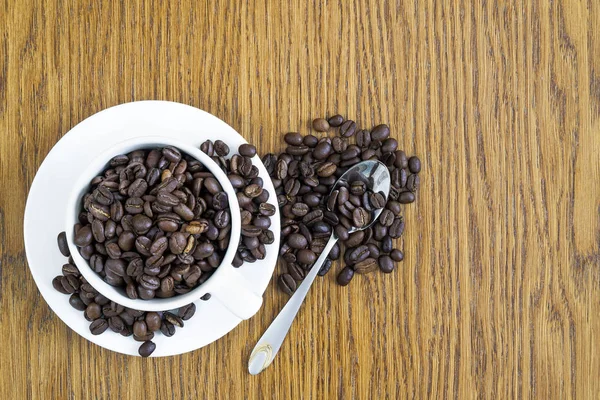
{"x": 499, "y": 294}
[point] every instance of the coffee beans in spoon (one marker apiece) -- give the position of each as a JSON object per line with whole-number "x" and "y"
{"x": 304, "y": 175}
{"x": 155, "y": 223}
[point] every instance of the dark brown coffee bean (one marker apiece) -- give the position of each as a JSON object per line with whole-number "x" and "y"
{"x": 386, "y": 218}
{"x": 70, "y": 269}
{"x": 351, "y": 153}
{"x": 293, "y": 138}
{"x": 386, "y": 264}
{"x": 397, "y": 255}
{"x": 363, "y": 138}
{"x": 322, "y": 151}
{"x": 83, "y": 236}
{"x": 366, "y": 266}
{"x": 113, "y": 250}
{"x": 326, "y": 169}
{"x": 296, "y": 272}
{"x": 379, "y": 231}
{"x": 320, "y": 125}
{"x": 397, "y": 228}
{"x": 387, "y": 244}
{"x": 305, "y": 256}
{"x": 335, "y": 120}
{"x": 141, "y": 224}
{"x": 380, "y": 132}
{"x": 93, "y": 312}
{"x": 98, "y": 326}
{"x": 355, "y": 239}
{"x": 267, "y": 209}
{"x": 377, "y": 200}
{"x": 360, "y": 217}
{"x": 297, "y": 241}
{"x": 339, "y": 144}
{"x": 147, "y": 348}
{"x": 345, "y": 276}
{"x": 247, "y": 150}
{"x": 287, "y": 284}
{"x": 312, "y": 217}
{"x": 414, "y": 165}
{"x": 76, "y": 302}
{"x": 348, "y": 128}
{"x": 342, "y": 233}
{"x": 359, "y": 254}
{"x": 413, "y": 182}
{"x": 357, "y": 188}
{"x": 63, "y": 244}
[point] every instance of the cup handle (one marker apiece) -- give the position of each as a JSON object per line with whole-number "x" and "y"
{"x": 235, "y": 295}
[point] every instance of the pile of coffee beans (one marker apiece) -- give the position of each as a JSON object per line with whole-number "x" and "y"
{"x": 304, "y": 175}
{"x": 105, "y": 314}
{"x": 154, "y": 222}
{"x": 255, "y": 211}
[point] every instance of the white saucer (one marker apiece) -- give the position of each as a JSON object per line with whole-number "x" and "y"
{"x": 45, "y": 214}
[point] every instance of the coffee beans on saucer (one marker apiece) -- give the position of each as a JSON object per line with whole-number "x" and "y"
{"x": 105, "y": 315}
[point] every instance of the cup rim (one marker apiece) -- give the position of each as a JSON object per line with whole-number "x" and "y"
{"x": 81, "y": 187}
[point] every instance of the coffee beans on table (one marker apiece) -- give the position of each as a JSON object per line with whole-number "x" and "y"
{"x": 304, "y": 175}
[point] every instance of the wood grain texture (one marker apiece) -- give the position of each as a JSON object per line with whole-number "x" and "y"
{"x": 499, "y": 294}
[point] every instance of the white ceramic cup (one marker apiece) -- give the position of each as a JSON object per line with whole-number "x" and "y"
{"x": 226, "y": 285}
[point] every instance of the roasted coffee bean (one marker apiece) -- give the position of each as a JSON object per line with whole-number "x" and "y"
{"x": 147, "y": 348}
{"x": 379, "y": 231}
{"x": 325, "y": 268}
{"x": 386, "y": 264}
{"x": 414, "y": 165}
{"x": 365, "y": 266}
{"x": 335, "y": 120}
{"x": 326, "y": 169}
{"x": 334, "y": 254}
{"x": 397, "y": 228}
{"x": 312, "y": 217}
{"x": 348, "y": 128}
{"x": 387, "y": 244}
{"x": 297, "y": 241}
{"x": 293, "y": 138}
{"x": 360, "y": 217}
{"x": 98, "y": 326}
{"x": 345, "y": 276}
{"x": 380, "y": 132}
{"x": 357, "y": 188}
{"x": 296, "y": 271}
{"x": 76, "y": 302}
{"x": 363, "y": 138}
{"x": 305, "y": 256}
{"x": 412, "y": 183}
{"x": 374, "y": 251}
{"x": 83, "y": 237}
{"x": 287, "y": 283}
{"x": 339, "y": 144}
{"x": 359, "y": 254}
{"x": 62, "y": 244}
{"x": 377, "y": 200}
{"x": 320, "y": 125}
{"x": 386, "y": 218}
{"x": 397, "y": 255}
{"x": 355, "y": 239}
{"x": 342, "y": 233}
{"x": 93, "y": 312}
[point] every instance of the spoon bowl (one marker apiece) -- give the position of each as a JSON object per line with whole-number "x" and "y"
{"x": 376, "y": 177}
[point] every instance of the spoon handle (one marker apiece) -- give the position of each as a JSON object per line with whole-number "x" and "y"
{"x": 268, "y": 345}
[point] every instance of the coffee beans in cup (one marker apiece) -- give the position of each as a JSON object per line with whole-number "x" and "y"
{"x": 155, "y": 223}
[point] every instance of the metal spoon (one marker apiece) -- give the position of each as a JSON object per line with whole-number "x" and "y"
{"x": 377, "y": 178}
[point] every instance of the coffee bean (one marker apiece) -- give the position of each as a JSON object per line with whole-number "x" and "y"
{"x": 293, "y": 138}
{"x": 306, "y": 256}
{"x": 412, "y": 183}
{"x": 296, "y": 272}
{"x": 287, "y": 284}
{"x": 76, "y": 302}
{"x": 397, "y": 255}
{"x": 325, "y": 268}
{"x": 247, "y": 150}
{"x": 380, "y": 132}
{"x": 320, "y": 125}
{"x": 83, "y": 236}
{"x": 386, "y": 264}
{"x": 387, "y": 244}
{"x": 62, "y": 244}
{"x": 309, "y": 141}
{"x": 345, "y": 276}
{"x": 147, "y": 348}
{"x": 361, "y": 217}
{"x": 397, "y": 228}
{"x": 348, "y": 128}
{"x": 365, "y": 266}
{"x": 414, "y": 165}
{"x": 98, "y": 326}
{"x": 355, "y": 239}
{"x": 297, "y": 241}
{"x": 359, "y": 254}
{"x": 386, "y": 218}
{"x": 342, "y": 233}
